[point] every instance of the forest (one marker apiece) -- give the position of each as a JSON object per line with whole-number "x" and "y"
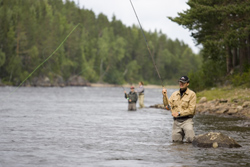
{"x": 223, "y": 29}
{"x": 107, "y": 51}
{"x": 99, "y": 50}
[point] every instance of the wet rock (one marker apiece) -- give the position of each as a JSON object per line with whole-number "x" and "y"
{"x": 158, "y": 106}
{"x": 212, "y": 108}
{"x": 246, "y": 124}
{"x": 239, "y": 108}
{"x": 221, "y": 110}
{"x": 203, "y": 100}
{"x": 232, "y": 111}
{"x": 223, "y": 101}
{"x": 41, "y": 81}
{"x": 200, "y": 108}
{"x": 45, "y": 82}
{"x": 235, "y": 100}
{"x": 214, "y": 140}
{"x": 58, "y": 81}
{"x": 77, "y": 81}
{"x": 246, "y": 104}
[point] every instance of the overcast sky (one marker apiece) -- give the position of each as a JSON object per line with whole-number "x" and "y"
{"x": 151, "y": 13}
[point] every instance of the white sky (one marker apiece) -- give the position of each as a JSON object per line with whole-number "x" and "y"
{"x": 152, "y": 15}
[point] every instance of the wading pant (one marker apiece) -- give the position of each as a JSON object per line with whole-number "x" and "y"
{"x": 131, "y": 106}
{"x": 183, "y": 129}
{"x": 141, "y": 101}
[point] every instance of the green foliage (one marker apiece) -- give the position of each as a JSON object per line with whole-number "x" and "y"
{"x": 222, "y": 28}
{"x": 2, "y": 58}
{"x": 209, "y": 75}
{"x": 98, "y": 50}
{"x": 114, "y": 77}
{"x": 131, "y": 69}
{"x": 242, "y": 80}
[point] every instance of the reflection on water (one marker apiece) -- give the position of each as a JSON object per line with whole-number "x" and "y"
{"x": 77, "y": 126}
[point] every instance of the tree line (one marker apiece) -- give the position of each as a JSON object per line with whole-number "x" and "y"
{"x": 223, "y": 29}
{"x": 99, "y": 50}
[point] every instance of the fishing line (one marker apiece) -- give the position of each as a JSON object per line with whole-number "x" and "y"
{"x": 147, "y": 44}
{"x": 123, "y": 88}
{"x": 45, "y": 59}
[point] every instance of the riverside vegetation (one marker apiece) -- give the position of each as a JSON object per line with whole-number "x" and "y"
{"x": 106, "y": 51}
{"x": 99, "y": 50}
{"x": 223, "y": 29}
{"x": 103, "y": 50}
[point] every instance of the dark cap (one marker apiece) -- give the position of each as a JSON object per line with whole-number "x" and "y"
{"x": 184, "y": 79}
{"x": 132, "y": 87}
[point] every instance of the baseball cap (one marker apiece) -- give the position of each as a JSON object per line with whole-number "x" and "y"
{"x": 184, "y": 79}
{"x": 132, "y": 87}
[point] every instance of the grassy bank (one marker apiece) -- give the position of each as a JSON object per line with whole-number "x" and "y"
{"x": 229, "y": 93}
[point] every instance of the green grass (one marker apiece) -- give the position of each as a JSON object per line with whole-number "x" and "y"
{"x": 231, "y": 94}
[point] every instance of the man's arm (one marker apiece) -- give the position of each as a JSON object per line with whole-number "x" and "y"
{"x": 165, "y": 99}
{"x": 126, "y": 95}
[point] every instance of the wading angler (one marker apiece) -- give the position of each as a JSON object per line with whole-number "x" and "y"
{"x": 182, "y": 105}
{"x": 132, "y": 99}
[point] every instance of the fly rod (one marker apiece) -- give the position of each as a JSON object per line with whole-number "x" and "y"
{"x": 147, "y": 45}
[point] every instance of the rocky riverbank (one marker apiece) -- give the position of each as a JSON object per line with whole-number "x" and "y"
{"x": 228, "y": 101}
{"x": 219, "y": 107}
{"x": 224, "y": 107}
{"x": 57, "y": 81}
{"x": 222, "y": 102}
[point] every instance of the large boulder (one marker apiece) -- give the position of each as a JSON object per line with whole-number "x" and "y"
{"x": 214, "y": 140}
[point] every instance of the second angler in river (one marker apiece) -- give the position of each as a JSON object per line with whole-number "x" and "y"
{"x": 132, "y": 99}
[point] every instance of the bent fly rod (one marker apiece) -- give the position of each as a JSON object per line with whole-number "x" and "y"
{"x": 147, "y": 45}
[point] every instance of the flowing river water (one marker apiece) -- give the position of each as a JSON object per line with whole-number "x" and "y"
{"x": 90, "y": 126}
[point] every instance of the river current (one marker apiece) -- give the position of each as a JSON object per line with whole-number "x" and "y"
{"x": 90, "y": 126}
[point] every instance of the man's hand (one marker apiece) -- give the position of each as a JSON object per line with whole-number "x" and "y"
{"x": 175, "y": 114}
{"x": 164, "y": 92}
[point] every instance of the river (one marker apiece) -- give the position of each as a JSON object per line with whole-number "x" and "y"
{"x": 90, "y": 126}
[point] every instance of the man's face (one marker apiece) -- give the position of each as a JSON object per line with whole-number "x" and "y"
{"x": 183, "y": 85}
{"x": 132, "y": 90}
